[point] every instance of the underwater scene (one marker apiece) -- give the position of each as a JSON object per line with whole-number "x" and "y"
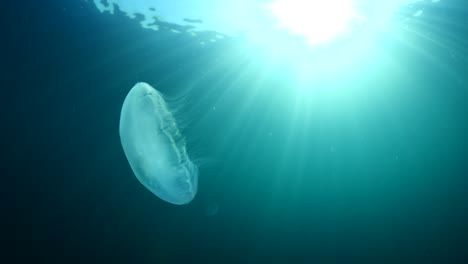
{"x": 235, "y": 131}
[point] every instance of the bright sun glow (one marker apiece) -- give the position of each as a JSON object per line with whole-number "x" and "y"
{"x": 319, "y": 21}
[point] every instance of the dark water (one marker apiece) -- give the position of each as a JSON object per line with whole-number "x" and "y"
{"x": 379, "y": 178}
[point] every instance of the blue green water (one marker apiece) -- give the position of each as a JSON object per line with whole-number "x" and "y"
{"x": 355, "y": 154}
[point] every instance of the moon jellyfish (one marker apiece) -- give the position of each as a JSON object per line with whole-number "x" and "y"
{"x": 154, "y": 146}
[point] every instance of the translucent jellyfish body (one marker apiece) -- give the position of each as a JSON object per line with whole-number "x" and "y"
{"x": 154, "y": 146}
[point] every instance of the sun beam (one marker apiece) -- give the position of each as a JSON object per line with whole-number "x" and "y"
{"x": 319, "y": 21}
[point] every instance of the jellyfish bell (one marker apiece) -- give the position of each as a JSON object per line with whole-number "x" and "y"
{"x": 154, "y": 146}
